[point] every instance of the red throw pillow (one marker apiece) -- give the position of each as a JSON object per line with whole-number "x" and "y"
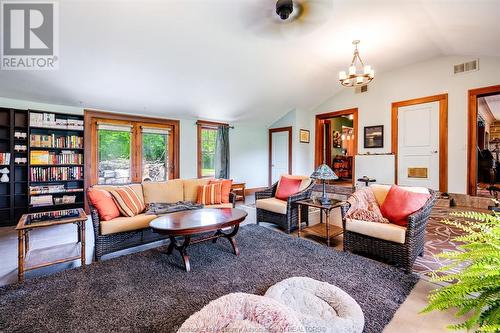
{"x": 103, "y": 201}
{"x": 287, "y": 187}
{"x": 400, "y": 203}
{"x": 226, "y": 188}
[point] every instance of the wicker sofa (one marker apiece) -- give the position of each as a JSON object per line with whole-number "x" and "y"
{"x": 394, "y": 244}
{"x": 280, "y": 212}
{"x": 126, "y": 232}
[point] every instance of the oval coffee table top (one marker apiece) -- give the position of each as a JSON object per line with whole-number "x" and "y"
{"x": 199, "y": 220}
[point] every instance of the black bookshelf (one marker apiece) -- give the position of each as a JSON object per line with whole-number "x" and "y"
{"x": 68, "y": 175}
{"x": 14, "y": 192}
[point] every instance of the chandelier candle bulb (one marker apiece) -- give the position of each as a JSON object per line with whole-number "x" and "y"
{"x": 359, "y": 80}
{"x": 352, "y": 70}
{"x": 368, "y": 69}
{"x": 342, "y": 75}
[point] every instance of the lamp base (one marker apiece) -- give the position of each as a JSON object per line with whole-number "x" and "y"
{"x": 325, "y": 201}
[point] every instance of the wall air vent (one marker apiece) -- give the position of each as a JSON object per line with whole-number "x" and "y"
{"x": 361, "y": 89}
{"x": 469, "y": 66}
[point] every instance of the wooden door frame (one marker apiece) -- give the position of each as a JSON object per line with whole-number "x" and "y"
{"x": 290, "y": 141}
{"x": 472, "y": 134}
{"x": 443, "y": 134}
{"x": 318, "y": 145}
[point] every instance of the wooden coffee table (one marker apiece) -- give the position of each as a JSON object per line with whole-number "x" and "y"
{"x": 180, "y": 226}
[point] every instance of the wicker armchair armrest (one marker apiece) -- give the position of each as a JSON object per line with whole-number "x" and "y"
{"x": 420, "y": 217}
{"x": 267, "y": 193}
{"x": 232, "y": 198}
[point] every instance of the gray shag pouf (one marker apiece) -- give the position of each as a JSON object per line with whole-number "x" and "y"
{"x": 320, "y": 306}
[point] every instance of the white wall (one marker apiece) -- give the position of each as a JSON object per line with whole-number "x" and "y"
{"x": 248, "y": 144}
{"x": 418, "y": 80}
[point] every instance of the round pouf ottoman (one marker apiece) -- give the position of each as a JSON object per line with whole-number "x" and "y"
{"x": 239, "y": 312}
{"x": 320, "y": 306}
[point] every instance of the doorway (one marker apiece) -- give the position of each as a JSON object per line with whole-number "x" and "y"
{"x": 483, "y": 177}
{"x": 337, "y": 143}
{"x": 280, "y": 153}
{"x": 420, "y": 142}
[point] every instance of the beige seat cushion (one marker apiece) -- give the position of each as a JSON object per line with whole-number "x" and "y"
{"x": 122, "y": 224}
{"x": 163, "y": 192}
{"x": 222, "y": 205}
{"x": 386, "y": 231}
{"x": 272, "y": 205}
{"x": 380, "y": 191}
{"x": 136, "y": 187}
{"x": 191, "y": 188}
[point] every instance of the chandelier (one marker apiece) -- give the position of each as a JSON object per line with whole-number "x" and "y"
{"x": 354, "y": 78}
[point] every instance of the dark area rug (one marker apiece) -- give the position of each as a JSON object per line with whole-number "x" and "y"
{"x": 149, "y": 291}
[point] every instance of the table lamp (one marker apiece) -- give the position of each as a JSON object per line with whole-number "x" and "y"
{"x": 323, "y": 172}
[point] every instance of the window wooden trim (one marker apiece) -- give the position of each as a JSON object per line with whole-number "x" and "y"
{"x": 91, "y": 150}
{"x": 203, "y": 124}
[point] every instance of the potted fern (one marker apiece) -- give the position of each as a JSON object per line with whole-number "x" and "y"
{"x": 475, "y": 291}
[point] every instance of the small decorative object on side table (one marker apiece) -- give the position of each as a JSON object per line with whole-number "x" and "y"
{"x": 37, "y": 258}
{"x": 239, "y": 190}
{"x": 320, "y": 228}
{"x": 367, "y": 180}
{"x": 323, "y": 173}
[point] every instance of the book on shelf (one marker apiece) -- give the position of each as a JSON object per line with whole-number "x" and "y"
{"x": 64, "y": 157}
{"x": 4, "y": 158}
{"x": 20, "y": 135}
{"x": 53, "y": 141}
{"x": 35, "y": 190}
{"x": 53, "y": 173}
{"x": 53, "y": 120}
{"x": 20, "y": 147}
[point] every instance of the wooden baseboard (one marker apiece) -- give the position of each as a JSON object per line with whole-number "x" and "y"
{"x": 249, "y": 191}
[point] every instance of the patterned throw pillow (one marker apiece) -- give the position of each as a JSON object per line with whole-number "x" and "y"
{"x": 226, "y": 188}
{"x": 210, "y": 194}
{"x": 128, "y": 201}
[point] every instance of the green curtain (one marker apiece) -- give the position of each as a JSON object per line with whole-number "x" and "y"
{"x": 222, "y": 153}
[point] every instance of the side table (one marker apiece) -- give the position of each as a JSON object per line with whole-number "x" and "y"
{"x": 239, "y": 190}
{"x": 325, "y": 230}
{"x": 33, "y": 259}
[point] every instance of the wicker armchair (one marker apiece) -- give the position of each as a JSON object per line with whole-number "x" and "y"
{"x": 401, "y": 255}
{"x": 288, "y": 221}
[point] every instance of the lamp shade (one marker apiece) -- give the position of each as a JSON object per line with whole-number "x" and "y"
{"x": 324, "y": 172}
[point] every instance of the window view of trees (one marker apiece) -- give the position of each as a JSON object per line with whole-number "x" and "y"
{"x": 114, "y": 156}
{"x": 154, "y": 156}
{"x": 208, "y": 139}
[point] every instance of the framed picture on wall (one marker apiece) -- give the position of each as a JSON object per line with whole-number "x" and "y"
{"x": 374, "y": 136}
{"x": 304, "y": 136}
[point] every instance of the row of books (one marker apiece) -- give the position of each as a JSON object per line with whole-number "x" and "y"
{"x": 45, "y": 174}
{"x": 4, "y": 158}
{"x": 52, "y": 141}
{"x": 46, "y": 157}
{"x": 34, "y": 190}
{"x": 48, "y": 200}
{"x": 51, "y": 120}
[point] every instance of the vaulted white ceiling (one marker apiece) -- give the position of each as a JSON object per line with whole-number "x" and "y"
{"x": 219, "y": 60}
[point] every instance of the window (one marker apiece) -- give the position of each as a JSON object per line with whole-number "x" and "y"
{"x": 207, "y": 137}
{"x": 155, "y": 163}
{"x": 130, "y": 149}
{"x": 114, "y": 153}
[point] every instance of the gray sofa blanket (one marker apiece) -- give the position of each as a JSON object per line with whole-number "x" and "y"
{"x": 165, "y": 208}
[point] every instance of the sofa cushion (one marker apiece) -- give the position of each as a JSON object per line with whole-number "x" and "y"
{"x": 305, "y": 181}
{"x": 388, "y": 232}
{"x": 136, "y": 187}
{"x": 364, "y": 206}
{"x": 164, "y": 192}
{"x": 272, "y": 205}
{"x": 380, "y": 191}
{"x": 221, "y": 205}
{"x": 210, "y": 194}
{"x": 226, "y": 188}
{"x": 103, "y": 201}
{"x": 191, "y": 188}
{"x": 287, "y": 187}
{"x": 401, "y": 203}
{"x": 127, "y": 200}
{"x": 122, "y": 224}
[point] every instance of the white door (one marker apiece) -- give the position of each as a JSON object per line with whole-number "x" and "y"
{"x": 418, "y": 145}
{"x": 279, "y": 155}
